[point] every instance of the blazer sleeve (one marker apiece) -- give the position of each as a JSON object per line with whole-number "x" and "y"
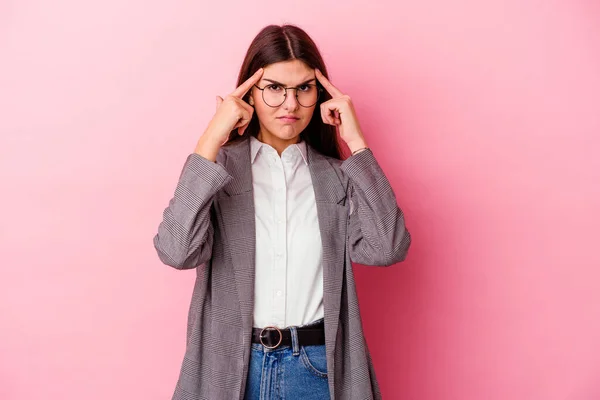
{"x": 185, "y": 235}
{"x": 377, "y": 233}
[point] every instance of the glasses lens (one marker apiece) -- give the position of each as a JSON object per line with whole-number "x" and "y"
{"x": 274, "y": 95}
{"x": 307, "y": 95}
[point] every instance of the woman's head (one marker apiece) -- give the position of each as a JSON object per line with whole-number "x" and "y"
{"x": 289, "y": 58}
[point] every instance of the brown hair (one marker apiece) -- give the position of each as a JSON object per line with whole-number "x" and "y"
{"x": 284, "y": 43}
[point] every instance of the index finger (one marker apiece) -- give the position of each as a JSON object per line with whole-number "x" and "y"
{"x": 333, "y": 91}
{"x": 244, "y": 87}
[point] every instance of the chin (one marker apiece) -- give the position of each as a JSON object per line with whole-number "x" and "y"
{"x": 289, "y": 132}
{"x": 284, "y": 132}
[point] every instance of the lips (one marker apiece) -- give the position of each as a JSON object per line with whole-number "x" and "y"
{"x": 288, "y": 118}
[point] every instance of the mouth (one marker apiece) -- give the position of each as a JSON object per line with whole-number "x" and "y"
{"x": 288, "y": 118}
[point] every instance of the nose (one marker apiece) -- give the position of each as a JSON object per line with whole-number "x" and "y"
{"x": 290, "y": 102}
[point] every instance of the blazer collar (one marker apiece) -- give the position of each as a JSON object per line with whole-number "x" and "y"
{"x": 327, "y": 180}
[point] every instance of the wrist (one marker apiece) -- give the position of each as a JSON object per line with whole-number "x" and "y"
{"x": 357, "y": 145}
{"x": 360, "y": 150}
{"x": 207, "y": 147}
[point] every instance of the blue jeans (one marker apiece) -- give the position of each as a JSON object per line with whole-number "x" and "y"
{"x": 287, "y": 372}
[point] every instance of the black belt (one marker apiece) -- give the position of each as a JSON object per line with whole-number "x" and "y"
{"x": 272, "y": 337}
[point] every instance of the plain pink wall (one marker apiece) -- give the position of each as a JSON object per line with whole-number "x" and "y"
{"x": 485, "y": 116}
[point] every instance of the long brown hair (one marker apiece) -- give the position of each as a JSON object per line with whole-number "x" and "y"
{"x": 284, "y": 43}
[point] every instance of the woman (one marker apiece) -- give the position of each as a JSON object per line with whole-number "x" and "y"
{"x": 271, "y": 218}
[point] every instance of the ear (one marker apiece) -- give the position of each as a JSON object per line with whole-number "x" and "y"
{"x": 251, "y": 100}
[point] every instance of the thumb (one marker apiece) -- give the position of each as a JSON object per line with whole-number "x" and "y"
{"x": 219, "y": 101}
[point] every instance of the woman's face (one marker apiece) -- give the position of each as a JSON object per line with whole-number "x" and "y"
{"x": 274, "y": 126}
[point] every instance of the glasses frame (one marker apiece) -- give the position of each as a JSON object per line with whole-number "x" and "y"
{"x": 319, "y": 90}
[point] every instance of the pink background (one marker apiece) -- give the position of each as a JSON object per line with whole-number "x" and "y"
{"x": 485, "y": 116}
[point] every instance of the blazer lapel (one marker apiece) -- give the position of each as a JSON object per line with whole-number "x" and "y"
{"x": 330, "y": 196}
{"x": 239, "y": 224}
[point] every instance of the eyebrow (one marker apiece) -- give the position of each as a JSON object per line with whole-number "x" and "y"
{"x": 279, "y": 83}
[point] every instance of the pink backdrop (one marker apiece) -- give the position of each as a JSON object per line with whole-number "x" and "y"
{"x": 485, "y": 116}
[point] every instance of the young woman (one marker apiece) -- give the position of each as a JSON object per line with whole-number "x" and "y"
{"x": 271, "y": 217}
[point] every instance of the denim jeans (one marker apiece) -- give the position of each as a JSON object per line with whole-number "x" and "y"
{"x": 287, "y": 372}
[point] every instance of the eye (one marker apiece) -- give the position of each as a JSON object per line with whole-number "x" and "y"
{"x": 304, "y": 88}
{"x": 274, "y": 87}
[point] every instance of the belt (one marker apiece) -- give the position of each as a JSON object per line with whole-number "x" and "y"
{"x": 272, "y": 337}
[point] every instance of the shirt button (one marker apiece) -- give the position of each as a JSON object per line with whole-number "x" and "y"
{"x": 279, "y": 293}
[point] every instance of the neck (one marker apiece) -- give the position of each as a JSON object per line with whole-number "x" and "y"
{"x": 277, "y": 143}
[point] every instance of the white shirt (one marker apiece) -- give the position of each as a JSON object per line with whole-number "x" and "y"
{"x": 289, "y": 271}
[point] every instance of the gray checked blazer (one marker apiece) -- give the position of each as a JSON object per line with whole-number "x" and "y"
{"x": 209, "y": 225}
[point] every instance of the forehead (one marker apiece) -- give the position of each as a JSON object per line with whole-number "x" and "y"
{"x": 288, "y": 72}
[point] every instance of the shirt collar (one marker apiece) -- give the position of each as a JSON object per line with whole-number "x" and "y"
{"x": 256, "y": 145}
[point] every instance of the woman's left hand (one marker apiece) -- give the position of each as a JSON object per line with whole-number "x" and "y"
{"x": 339, "y": 112}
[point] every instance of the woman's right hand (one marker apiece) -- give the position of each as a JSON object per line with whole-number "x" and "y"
{"x": 232, "y": 113}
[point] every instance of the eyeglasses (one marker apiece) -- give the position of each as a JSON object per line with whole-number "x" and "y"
{"x": 275, "y": 94}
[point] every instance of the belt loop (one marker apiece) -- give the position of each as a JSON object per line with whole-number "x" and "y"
{"x": 295, "y": 347}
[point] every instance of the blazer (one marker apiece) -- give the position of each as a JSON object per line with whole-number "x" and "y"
{"x": 209, "y": 225}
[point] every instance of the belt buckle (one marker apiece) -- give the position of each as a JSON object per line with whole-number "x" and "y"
{"x": 271, "y": 328}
